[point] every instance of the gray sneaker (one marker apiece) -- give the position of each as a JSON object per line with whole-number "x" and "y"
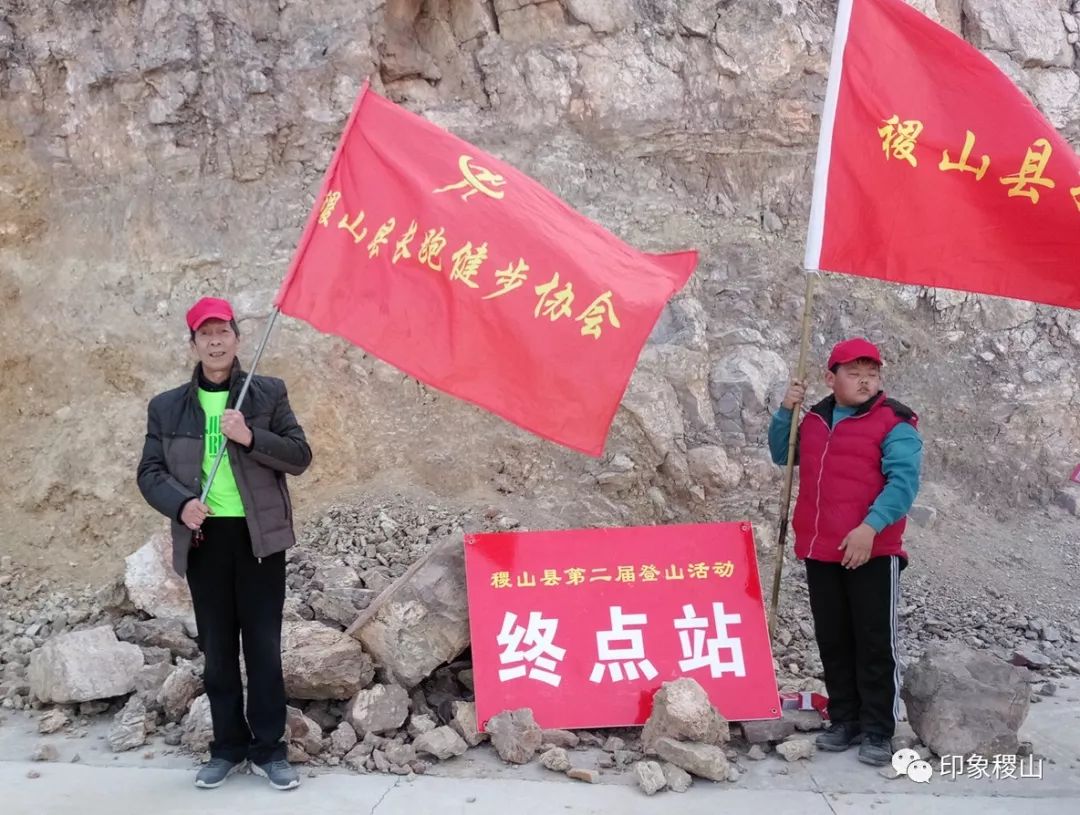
{"x": 280, "y": 774}
{"x": 214, "y": 773}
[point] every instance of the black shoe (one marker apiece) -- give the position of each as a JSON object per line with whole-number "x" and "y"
{"x": 839, "y": 737}
{"x": 875, "y": 750}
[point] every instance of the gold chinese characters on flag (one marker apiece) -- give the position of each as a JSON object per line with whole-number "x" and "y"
{"x": 465, "y": 273}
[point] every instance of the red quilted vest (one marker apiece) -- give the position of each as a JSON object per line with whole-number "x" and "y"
{"x": 840, "y": 477}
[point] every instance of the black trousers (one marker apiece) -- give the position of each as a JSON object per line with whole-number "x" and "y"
{"x": 237, "y": 596}
{"x": 855, "y": 626}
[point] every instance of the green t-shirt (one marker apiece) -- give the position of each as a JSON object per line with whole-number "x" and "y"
{"x": 224, "y": 498}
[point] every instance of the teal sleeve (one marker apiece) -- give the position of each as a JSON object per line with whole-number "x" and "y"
{"x": 779, "y": 430}
{"x": 901, "y": 464}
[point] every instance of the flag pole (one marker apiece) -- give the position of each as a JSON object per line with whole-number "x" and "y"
{"x": 789, "y": 473}
{"x": 240, "y": 399}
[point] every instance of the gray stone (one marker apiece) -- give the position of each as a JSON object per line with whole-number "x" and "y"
{"x": 1068, "y": 499}
{"x": 711, "y": 467}
{"x": 378, "y": 709}
{"x": 52, "y": 721}
{"x": 702, "y": 760}
{"x": 922, "y": 515}
{"x": 422, "y": 621}
{"x": 168, "y": 634}
{"x": 602, "y": 16}
{"x": 561, "y": 738}
{"x": 1030, "y": 658}
{"x": 442, "y": 742}
{"x": 420, "y": 724}
{"x": 302, "y": 731}
{"x": 129, "y": 727}
{"x": 1032, "y": 31}
{"x": 678, "y": 779}
{"x": 796, "y": 749}
{"x": 83, "y": 666}
{"x": 515, "y": 735}
{"x": 154, "y": 587}
{"x": 755, "y": 753}
{"x": 588, "y": 776}
{"x": 767, "y": 730}
{"x": 556, "y": 760}
{"x": 463, "y": 720}
{"x": 399, "y": 755}
{"x": 320, "y": 662}
{"x": 650, "y": 777}
{"x": 961, "y": 701}
{"x": 45, "y": 752}
{"x": 198, "y": 727}
{"x": 682, "y": 710}
{"x": 343, "y": 739}
{"x": 180, "y": 688}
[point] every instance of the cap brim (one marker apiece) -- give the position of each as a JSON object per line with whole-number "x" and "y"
{"x": 214, "y": 316}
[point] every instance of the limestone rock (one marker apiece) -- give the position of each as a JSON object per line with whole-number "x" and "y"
{"x": 515, "y": 735}
{"x": 682, "y": 711}
{"x": 650, "y": 777}
{"x": 154, "y": 587}
{"x": 796, "y": 749}
{"x": 52, "y": 721}
{"x": 343, "y": 739}
{"x": 302, "y": 731}
{"x": 320, "y": 662}
{"x": 561, "y": 738}
{"x": 442, "y": 742}
{"x": 961, "y": 701}
{"x": 169, "y": 634}
{"x": 1032, "y": 31}
{"x": 422, "y": 621}
{"x": 702, "y": 760}
{"x": 83, "y": 666}
{"x": 378, "y": 709}
{"x": 180, "y": 688}
{"x": 766, "y": 730}
{"x": 129, "y": 727}
{"x": 555, "y": 760}
{"x": 678, "y": 779}
{"x": 198, "y": 727}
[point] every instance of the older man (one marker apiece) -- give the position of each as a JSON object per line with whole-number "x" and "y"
{"x": 231, "y": 548}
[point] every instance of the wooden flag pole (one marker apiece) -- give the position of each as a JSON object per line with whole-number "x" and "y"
{"x": 789, "y": 473}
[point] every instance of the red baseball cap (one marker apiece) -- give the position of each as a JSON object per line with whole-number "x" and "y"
{"x": 209, "y": 308}
{"x": 851, "y": 350}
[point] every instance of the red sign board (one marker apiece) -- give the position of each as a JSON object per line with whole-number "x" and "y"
{"x": 584, "y": 626}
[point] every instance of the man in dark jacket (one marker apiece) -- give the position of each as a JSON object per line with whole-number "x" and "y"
{"x": 232, "y": 548}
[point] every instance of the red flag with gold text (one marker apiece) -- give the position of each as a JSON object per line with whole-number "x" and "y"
{"x": 935, "y": 169}
{"x": 465, "y": 273}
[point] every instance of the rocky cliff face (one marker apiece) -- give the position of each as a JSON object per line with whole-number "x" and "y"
{"x": 154, "y": 151}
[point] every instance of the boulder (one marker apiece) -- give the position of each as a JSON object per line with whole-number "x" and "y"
{"x": 682, "y": 711}
{"x": 176, "y": 694}
{"x": 378, "y": 709}
{"x": 961, "y": 701}
{"x": 154, "y": 587}
{"x": 442, "y": 742}
{"x": 129, "y": 727}
{"x": 702, "y": 760}
{"x": 302, "y": 731}
{"x": 422, "y": 620}
{"x": 515, "y": 735}
{"x": 320, "y": 662}
{"x": 198, "y": 727}
{"x": 650, "y": 777}
{"x": 83, "y": 666}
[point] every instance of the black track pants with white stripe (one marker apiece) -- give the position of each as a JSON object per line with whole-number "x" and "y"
{"x": 855, "y": 626}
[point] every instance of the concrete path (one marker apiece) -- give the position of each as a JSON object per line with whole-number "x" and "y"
{"x": 102, "y": 783}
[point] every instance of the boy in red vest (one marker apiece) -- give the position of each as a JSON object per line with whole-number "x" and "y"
{"x": 860, "y": 455}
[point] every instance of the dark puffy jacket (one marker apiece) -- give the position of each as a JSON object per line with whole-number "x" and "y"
{"x": 170, "y": 471}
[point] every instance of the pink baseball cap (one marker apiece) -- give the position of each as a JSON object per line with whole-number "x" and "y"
{"x": 209, "y": 308}
{"x": 851, "y": 350}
